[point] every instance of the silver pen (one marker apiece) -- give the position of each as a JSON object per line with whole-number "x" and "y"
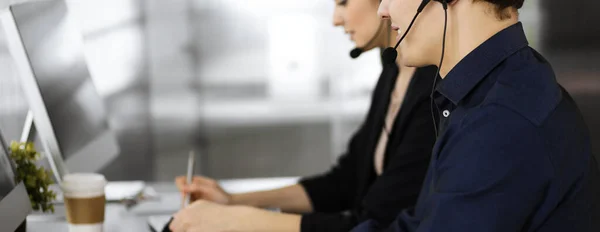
{"x": 190, "y": 176}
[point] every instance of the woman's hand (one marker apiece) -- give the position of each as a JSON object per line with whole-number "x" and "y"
{"x": 206, "y": 216}
{"x": 288, "y": 199}
{"x": 203, "y": 188}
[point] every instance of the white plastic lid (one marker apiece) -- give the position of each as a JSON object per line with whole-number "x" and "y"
{"x": 83, "y": 185}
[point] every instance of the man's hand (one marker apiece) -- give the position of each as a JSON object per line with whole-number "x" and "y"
{"x": 203, "y": 188}
{"x": 206, "y": 216}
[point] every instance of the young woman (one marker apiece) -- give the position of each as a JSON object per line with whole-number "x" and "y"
{"x": 381, "y": 173}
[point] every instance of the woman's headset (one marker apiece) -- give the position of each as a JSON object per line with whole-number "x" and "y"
{"x": 356, "y": 52}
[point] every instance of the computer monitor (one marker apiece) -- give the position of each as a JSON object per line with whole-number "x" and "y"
{"x": 14, "y": 201}
{"x": 68, "y": 113}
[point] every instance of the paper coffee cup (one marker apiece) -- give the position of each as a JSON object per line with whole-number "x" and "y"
{"x": 84, "y": 201}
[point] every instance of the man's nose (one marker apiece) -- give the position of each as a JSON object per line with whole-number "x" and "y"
{"x": 383, "y": 10}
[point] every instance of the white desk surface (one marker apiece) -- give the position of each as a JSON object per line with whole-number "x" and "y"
{"x": 118, "y": 218}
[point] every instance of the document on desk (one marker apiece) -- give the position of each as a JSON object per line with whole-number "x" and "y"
{"x": 160, "y": 223}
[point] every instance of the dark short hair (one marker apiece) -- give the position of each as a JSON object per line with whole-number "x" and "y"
{"x": 503, "y": 7}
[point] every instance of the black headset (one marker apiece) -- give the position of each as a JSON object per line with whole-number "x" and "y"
{"x": 389, "y": 54}
{"x": 356, "y": 52}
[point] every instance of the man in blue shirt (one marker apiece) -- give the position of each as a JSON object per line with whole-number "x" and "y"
{"x": 513, "y": 152}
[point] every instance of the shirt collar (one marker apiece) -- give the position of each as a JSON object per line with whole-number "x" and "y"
{"x": 476, "y": 65}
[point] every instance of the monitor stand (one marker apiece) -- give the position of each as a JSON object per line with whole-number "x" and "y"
{"x": 14, "y": 207}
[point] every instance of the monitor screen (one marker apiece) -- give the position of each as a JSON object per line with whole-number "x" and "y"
{"x": 68, "y": 112}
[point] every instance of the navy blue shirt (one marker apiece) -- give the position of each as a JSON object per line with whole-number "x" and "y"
{"x": 513, "y": 153}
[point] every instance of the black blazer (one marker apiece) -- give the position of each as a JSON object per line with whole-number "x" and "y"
{"x": 351, "y": 192}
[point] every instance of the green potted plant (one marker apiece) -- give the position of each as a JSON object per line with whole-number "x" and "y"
{"x": 36, "y": 179}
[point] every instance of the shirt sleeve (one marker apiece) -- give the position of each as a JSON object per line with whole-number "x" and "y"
{"x": 491, "y": 178}
{"x": 403, "y": 176}
{"x": 399, "y": 185}
{"x": 334, "y": 190}
{"x": 327, "y": 222}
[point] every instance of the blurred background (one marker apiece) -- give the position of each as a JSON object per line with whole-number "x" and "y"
{"x": 258, "y": 88}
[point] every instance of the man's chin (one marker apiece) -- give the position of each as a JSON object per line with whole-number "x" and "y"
{"x": 404, "y": 60}
{"x": 412, "y": 62}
